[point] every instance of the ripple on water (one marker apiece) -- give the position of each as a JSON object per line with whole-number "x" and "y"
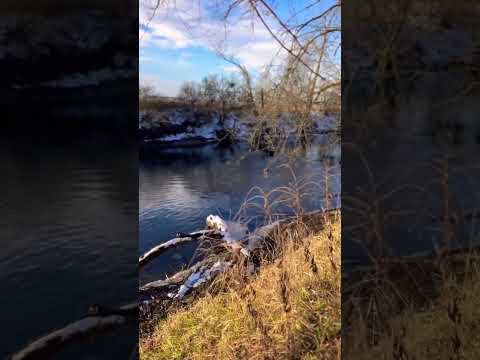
{"x": 174, "y": 197}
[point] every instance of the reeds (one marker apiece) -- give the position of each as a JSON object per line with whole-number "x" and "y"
{"x": 288, "y": 309}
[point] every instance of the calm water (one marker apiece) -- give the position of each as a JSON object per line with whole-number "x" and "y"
{"x": 178, "y": 192}
{"x": 407, "y": 175}
{"x": 69, "y": 239}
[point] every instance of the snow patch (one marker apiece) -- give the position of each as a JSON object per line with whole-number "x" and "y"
{"x": 198, "y": 278}
{"x": 326, "y": 123}
{"x": 233, "y": 232}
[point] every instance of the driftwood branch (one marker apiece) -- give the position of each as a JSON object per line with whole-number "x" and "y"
{"x": 176, "y": 279}
{"x": 253, "y": 241}
{"x": 204, "y": 275}
{"x": 184, "y": 238}
{"x": 162, "y": 295}
{"x": 100, "y": 318}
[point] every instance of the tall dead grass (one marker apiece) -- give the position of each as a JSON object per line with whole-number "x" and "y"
{"x": 422, "y": 307}
{"x": 290, "y": 310}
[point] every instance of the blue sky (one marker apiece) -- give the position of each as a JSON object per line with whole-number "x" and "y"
{"x": 179, "y": 43}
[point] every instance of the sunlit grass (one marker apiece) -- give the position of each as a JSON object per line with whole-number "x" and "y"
{"x": 291, "y": 309}
{"x": 447, "y": 328}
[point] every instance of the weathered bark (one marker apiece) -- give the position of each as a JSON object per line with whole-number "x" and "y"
{"x": 253, "y": 241}
{"x": 160, "y": 249}
{"x": 51, "y": 343}
{"x": 161, "y": 296}
{"x": 176, "y": 279}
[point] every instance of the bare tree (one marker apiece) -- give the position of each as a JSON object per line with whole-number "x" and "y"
{"x": 249, "y": 89}
{"x": 190, "y": 93}
{"x": 146, "y": 92}
{"x": 305, "y": 78}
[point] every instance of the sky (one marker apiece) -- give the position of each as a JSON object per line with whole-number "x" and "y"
{"x": 180, "y": 42}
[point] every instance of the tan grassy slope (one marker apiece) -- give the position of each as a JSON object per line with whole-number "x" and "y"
{"x": 448, "y": 329}
{"x": 291, "y": 310}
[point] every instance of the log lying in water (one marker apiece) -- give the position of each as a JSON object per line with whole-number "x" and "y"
{"x": 204, "y": 270}
{"x": 234, "y": 233}
{"x": 103, "y": 318}
{"x": 312, "y": 220}
{"x": 160, "y": 249}
{"x": 203, "y": 275}
{"x": 176, "y": 279}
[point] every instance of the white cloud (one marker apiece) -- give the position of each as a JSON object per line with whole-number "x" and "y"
{"x": 187, "y": 24}
{"x": 230, "y": 69}
{"x": 167, "y": 35}
{"x": 186, "y": 55}
{"x": 180, "y": 63}
{"x": 164, "y": 87}
{"x": 258, "y": 54}
{"x": 147, "y": 59}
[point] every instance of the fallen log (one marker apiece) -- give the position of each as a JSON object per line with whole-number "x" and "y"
{"x": 184, "y": 238}
{"x": 176, "y": 279}
{"x": 234, "y": 235}
{"x": 311, "y": 219}
{"x": 161, "y": 296}
{"x": 199, "y": 277}
{"x": 99, "y": 318}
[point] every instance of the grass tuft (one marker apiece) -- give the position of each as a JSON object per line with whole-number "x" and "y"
{"x": 289, "y": 310}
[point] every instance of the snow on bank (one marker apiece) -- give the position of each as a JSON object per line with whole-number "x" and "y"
{"x": 326, "y": 123}
{"x": 208, "y": 132}
{"x": 233, "y": 233}
{"x": 200, "y": 277}
{"x": 182, "y": 125}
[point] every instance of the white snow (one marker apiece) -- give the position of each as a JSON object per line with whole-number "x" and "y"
{"x": 207, "y": 129}
{"x": 200, "y": 277}
{"x": 326, "y": 122}
{"x": 237, "y": 127}
{"x": 233, "y": 232}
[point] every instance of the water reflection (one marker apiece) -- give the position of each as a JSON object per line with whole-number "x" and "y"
{"x": 181, "y": 188}
{"x": 67, "y": 210}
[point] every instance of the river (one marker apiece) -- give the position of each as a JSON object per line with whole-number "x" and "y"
{"x": 69, "y": 240}
{"x": 183, "y": 186}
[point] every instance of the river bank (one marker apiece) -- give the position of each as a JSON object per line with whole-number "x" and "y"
{"x": 182, "y": 185}
{"x": 190, "y": 127}
{"x": 425, "y": 305}
{"x": 291, "y": 306}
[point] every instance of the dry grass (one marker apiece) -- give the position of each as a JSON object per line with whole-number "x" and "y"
{"x": 270, "y": 133}
{"x": 290, "y": 310}
{"x": 417, "y": 308}
{"x": 157, "y": 103}
{"x": 447, "y": 328}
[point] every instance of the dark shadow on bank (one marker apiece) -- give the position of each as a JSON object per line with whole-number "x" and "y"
{"x": 409, "y": 175}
